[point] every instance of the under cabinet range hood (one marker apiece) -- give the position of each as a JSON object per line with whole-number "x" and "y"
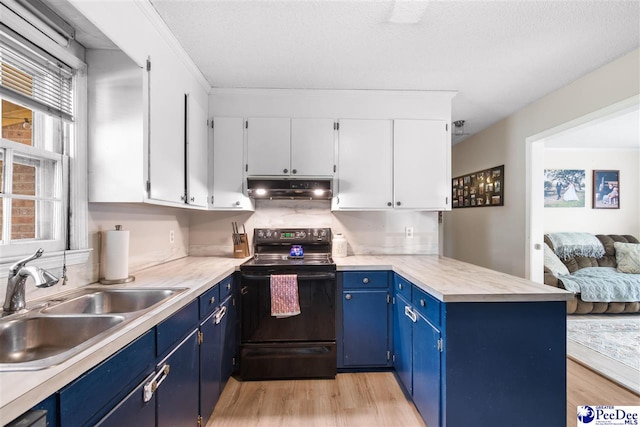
{"x": 290, "y": 188}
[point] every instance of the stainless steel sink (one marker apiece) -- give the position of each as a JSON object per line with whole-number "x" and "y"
{"x": 43, "y": 337}
{"x": 27, "y": 339}
{"x": 112, "y": 301}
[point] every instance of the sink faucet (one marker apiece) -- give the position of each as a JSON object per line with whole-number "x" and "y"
{"x": 18, "y": 273}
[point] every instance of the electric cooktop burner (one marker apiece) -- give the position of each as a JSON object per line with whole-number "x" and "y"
{"x": 291, "y": 247}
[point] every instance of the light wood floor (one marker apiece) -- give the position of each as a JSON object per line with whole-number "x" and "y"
{"x": 370, "y": 399}
{"x": 363, "y": 399}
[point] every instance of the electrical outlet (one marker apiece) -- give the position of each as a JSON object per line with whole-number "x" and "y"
{"x": 172, "y": 236}
{"x": 408, "y": 232}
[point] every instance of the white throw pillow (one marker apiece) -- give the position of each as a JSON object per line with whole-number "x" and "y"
{"x": 553, "y": 263}
{"x": 628, "y": 257}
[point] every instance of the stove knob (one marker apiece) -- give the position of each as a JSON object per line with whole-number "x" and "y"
{"x": 303, "y": 234}
{"x": 261, "y": 234}
{"x": 268, "y": 233}
{"x": 315, "y": 233}
{"x": 323, "y": 233}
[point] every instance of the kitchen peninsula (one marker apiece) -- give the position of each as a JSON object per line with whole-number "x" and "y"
{"x": 501, "y": 338}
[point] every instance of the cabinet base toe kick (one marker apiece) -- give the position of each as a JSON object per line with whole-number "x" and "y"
{"x": 288, "y": 361}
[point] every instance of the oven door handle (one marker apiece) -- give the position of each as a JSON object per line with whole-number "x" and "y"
{"x": 308, "y": 276}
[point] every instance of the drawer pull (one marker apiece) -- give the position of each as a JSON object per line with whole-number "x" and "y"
{"x": 423, "y": 303}
{"x": 347, "y": 296}
{"x": 365, "y": 280}
{"x": 400, "y": 286}
{"x": 212, "y": 300}
{"x": 228, "y": 286}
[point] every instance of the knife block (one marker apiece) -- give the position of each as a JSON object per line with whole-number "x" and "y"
{"x": 241, "y": 250}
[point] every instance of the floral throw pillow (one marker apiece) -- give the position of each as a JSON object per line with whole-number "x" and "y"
{"x": 553, "y": 263}
{"x": 628, "y": 257}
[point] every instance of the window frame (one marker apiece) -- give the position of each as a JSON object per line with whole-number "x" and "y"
{"x": 75, "y": 187}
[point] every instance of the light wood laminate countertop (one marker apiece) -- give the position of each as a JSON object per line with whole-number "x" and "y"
{"x": 446, "y": 279}
{"x": 450, "y": 280}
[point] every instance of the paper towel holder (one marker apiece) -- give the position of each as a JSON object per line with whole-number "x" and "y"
{"x": 128, "y": 279}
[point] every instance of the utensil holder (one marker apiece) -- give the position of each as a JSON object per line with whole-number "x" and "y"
{"x": 241, "y": 250}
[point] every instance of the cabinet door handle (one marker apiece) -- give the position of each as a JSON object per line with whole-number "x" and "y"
{"x": 410, "y": 314}
{"x": 151, "y": 387}
{"x": 400, "y": 286}
{"x": 228, "y": 286}
{"x": 389, "y": 204}
{"x": 238, "y": 203}
{"x": 365, "y": 280}
{"x": 294, "y": 171}
{"x": 285, "y": 170}
{"x": 219, "y": 315}
{"x": 398, "y": 203}
{"x": 212, "y": 300}
{"x": 347, "y": 296}
{"x": 423, "y": 303}
{"x": 193, "y": 199}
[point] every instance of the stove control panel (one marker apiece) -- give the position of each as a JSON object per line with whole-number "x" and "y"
{"x": 291, "y": 235}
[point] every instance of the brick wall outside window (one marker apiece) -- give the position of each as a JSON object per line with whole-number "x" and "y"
{"x": 24, "y": 182}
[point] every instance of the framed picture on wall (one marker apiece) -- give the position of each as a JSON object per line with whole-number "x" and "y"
{"x": 483, "y": 188}
{"x": 606, "y": 189}
{"x": 564, "y": 188}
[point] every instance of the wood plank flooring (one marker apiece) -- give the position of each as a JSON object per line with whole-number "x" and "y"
{"x": 363, "y": 399}
{"x": 370, "y": 399}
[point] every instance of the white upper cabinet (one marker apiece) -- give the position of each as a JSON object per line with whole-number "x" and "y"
{"x": 365, "y": 157}
{"x": 421, "y": 164}
{"x": 197, "y": 147}
{"x": 268, "y": 146}
{"x": 290, "y": 147}
{"x": 399, "y": 164}
{"x": 227, "y": 178}
{"x": 166, "y": 152}
{"x": 167, "y": 104}
{"x": 312, "y": 147}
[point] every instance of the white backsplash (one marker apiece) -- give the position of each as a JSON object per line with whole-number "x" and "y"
{"x": 374, "y": 232}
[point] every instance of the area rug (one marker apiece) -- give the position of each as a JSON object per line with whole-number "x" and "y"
{"x": 609, "y": 343}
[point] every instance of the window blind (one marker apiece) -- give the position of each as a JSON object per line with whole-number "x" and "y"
{"x": 35, "y": 80}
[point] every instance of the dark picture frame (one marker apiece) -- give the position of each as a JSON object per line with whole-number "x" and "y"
{"x": 606, "y": 189}
{"x": 479, "y": 189}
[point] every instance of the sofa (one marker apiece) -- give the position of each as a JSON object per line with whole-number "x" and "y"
{"x": 575, "y": 262}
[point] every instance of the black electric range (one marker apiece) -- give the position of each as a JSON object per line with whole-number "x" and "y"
{"x": 302, "y": 345}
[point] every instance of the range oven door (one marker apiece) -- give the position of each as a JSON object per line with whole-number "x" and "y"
{"x": 301, "y": 346}
{"x": 316, "y": 321}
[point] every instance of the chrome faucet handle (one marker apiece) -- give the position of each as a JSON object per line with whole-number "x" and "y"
{"x": 18, "y": 265}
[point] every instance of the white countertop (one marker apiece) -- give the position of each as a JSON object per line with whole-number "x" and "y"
{"x": 446, "y": 279}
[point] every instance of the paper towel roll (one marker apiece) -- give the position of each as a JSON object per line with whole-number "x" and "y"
{"x": 116, "y": 250}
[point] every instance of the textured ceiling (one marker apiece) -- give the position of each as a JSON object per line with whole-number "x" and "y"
{"x": 499, "y": 55}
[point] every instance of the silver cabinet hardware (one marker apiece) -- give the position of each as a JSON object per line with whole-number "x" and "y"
{"x": 410, "y": 314}
{"x": 400, "y": 286}
{"x": 212, "y": 300}
{"x": 365, "y": 280}
{"x": 152, "y": 386}
{"x": 423, "y": 303}
{"x": 347, "y": 296}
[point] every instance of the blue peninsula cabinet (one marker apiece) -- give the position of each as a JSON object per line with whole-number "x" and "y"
{"x": 482, "y": 363}
{"x": 364, "y": 319}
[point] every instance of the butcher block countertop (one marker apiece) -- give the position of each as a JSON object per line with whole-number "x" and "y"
{"x": 446, "y": 279}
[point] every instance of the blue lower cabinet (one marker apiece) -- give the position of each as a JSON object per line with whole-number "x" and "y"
{"x": 365, "y": 328}
{"x": 210, "y": 364}
{"x": 402, "y": 343}
{"x": 426, "y": 370}
{"x": 87, "y": 399}
{"x": 229, "y": 339}
{"x": 178, "y": 389}
{"x": 133, "y": 410}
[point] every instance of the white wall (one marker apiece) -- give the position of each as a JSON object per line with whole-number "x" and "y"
{"x": 496, "y": 237}
{"x": 625, "y": 220}
{"x": 366, "y": 232}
